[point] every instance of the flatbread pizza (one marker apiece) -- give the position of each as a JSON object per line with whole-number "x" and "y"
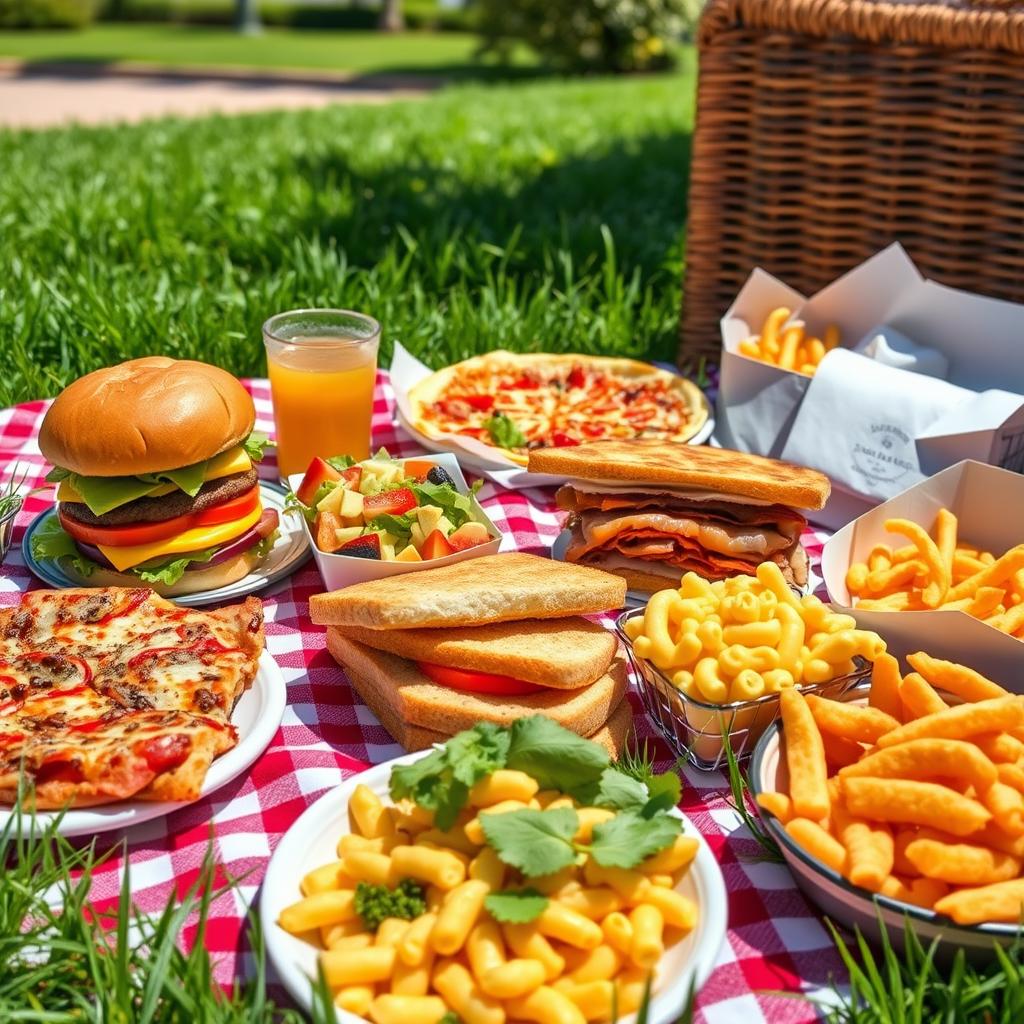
{"x": 513, "y": 403}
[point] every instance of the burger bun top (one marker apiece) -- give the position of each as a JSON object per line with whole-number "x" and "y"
{"x": 144, "y": 416}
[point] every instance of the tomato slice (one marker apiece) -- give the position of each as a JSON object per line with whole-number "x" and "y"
{"x": 476, "y": 682}
{"x": 147, "y": 533}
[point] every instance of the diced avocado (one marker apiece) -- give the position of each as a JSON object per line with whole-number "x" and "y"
{"x": 344, "y": 535}
{"x": 377, "y": 474}
{"x": 428, "y": 516}
{"x": 351, "y": 508}
{"x": 418, "y": 536}
{"x": 408, "y": 554}
{"x": 331, "y": 501}
{"x": 445, "y": 525}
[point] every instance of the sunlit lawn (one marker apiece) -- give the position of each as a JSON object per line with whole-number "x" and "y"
{"x": 547, "y": 215}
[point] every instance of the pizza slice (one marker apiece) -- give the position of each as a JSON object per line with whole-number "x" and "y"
{"x": 84, "y": 749}
{"x": 199, "y": 662}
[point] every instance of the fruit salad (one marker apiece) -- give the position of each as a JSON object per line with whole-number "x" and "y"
{"x": 395, "y": 510}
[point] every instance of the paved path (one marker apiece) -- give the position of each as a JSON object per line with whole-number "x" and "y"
{"x": 33, "y": 96}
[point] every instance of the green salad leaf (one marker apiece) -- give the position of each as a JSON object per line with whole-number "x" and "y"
{"x": 51, "y": 542}
{"x": 504, "y": 432}
{"x": 398, "y": 526}
{"x": 534, "y": 842}
{"x": 458, "y": 508}
{"x": 340, "y": 462}
{"x": 619, "y": 792}
{"x": 515, "y": 906}
{"x": 256, "y": 444}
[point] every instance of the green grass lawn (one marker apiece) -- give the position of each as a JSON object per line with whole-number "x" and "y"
{"x": 442, "y": 53}
{"x": 547, "y": 216}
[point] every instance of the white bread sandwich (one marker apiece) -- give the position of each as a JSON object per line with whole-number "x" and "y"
{"x": 650, "y": 511}
{"x": 482, "y": 641}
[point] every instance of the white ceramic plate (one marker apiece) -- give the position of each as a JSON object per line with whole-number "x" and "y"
{"x": 257, "y": 715}
{"x": 850, "y": 905}
{"x": 312, "y": 840}
{"x": 290, "y": 550}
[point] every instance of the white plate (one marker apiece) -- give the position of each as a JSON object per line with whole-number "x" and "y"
{"x": 311, "y": 842}
{"x": 290, "y": 550}
{"x": 257, "y": 715}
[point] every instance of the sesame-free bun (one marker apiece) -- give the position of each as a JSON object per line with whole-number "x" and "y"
{"x": 193, "y": 581}
{"x": 144, "y": 416}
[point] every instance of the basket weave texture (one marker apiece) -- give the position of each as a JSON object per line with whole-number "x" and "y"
{"x": 827, "y": 129}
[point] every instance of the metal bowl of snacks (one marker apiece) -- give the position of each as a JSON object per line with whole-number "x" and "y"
{"x": 693, "y": 722}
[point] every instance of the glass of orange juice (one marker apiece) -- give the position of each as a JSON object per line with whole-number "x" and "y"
{"x": 322, "y": 365}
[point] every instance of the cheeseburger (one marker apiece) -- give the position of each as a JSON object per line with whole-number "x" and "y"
{"x": 157, "y": 484}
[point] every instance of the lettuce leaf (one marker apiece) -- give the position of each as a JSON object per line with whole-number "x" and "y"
{"x": 256, "y": 444}
{"x": 170, "y": 569}
{"x": 397, "y": 526}
{"x": 457, "y": 507}
{"x": 50, "y": 542}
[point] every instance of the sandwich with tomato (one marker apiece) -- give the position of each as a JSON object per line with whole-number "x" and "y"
{"x": 488, "y": 640}
{"x": 155, "y": 465}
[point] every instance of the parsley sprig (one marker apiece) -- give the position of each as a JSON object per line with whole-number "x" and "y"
{"x": 540, "y": 842}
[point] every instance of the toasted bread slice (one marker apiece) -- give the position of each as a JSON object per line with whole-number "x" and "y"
{"x": 397, "y": 692}
{"x": 492, "y": 588}
{"x": 563, "y": 654}
{"x": 612, "y": 735}
{"x": 648, "y": 461}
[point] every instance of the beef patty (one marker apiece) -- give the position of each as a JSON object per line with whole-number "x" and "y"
{"x": 167, "y": 506}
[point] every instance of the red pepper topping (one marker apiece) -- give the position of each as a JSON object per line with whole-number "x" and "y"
{"x": 484, "y": 403}
{"x": 164, "y": 752}
{"x": 207, "y": 646}
{"x": 577, "y": 378}
{"x": 12, "y": 737}
{"x": 59, "y": 771}
{"x": 137, "y": 598}
{"x": 562, "y": 440}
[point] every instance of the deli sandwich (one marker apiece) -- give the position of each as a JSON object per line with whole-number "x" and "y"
{"x": 650, "y": 511}
{"x": 486, "y": 640}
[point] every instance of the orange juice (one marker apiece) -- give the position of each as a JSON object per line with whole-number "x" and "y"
{"x": 322, "y": 388}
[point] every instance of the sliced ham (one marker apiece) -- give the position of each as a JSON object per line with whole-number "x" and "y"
{"x": 672, "y": 534}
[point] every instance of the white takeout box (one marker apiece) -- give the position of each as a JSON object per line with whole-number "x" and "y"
{"x": 988, "y": 503}
{"x": 339, "y": 571}
{"x": 874, "y": 429}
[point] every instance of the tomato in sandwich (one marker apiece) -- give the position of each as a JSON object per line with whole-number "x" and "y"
{"x": 471, "y": 681}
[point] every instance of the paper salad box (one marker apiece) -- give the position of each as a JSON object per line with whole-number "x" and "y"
{"x": 874, "y": 426}
{"x": 339, "y": 571}
{"x": 988, "y": 502}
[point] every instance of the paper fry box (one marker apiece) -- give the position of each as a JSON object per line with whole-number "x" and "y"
{"x": 339, "y": 571}
{"x": 877, "y": 428}
{"x": 988, "y": 502}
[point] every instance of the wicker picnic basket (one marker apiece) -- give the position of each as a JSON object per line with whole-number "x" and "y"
{"x": 827, "y": 129}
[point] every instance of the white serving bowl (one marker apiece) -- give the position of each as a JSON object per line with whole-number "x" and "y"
{"x": 850, "y": 905}
{"x": 339, "y": 571}
{"x": 312, "y": 840}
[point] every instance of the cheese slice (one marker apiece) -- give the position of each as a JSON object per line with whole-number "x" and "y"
{"x": 196, "y": 539}
{"x": 234, "y": 460}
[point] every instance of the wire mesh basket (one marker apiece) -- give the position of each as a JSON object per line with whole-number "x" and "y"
{"x": 696, "y": 730}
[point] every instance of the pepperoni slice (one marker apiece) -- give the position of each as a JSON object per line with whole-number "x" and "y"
{"x": 59, "y": 771}
{"x": 163, "y": 753}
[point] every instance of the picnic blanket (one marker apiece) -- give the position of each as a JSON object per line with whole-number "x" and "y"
{"x": 776, "y": 942}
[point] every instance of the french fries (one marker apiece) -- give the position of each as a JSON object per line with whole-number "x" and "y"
{"x": 925, "y": 806}
{"x": 787, "y": 345}
{"x": 939, "y": 571}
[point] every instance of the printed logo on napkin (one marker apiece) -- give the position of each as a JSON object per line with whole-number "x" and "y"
{"x": 860, "y": 422}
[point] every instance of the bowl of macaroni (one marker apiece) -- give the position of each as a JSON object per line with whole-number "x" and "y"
{"x": 711, "y": 658}
{"x": 602, "y": 930}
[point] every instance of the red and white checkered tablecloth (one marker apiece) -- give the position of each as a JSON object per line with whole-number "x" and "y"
{"x": 776, "y": 942}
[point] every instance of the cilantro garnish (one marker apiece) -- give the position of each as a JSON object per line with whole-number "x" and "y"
{"x": 515, "y": 906}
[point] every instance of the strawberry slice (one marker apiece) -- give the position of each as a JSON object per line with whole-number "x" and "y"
{"x": 390, "y": 503}
{"x": 362, "y": 547}
{"x": 318, "y": 472}
{"x": 436, "y": 546}
{"x": 352, "y": 476}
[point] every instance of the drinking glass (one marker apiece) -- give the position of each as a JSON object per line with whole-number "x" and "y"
{"x": 322, "y": 365}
